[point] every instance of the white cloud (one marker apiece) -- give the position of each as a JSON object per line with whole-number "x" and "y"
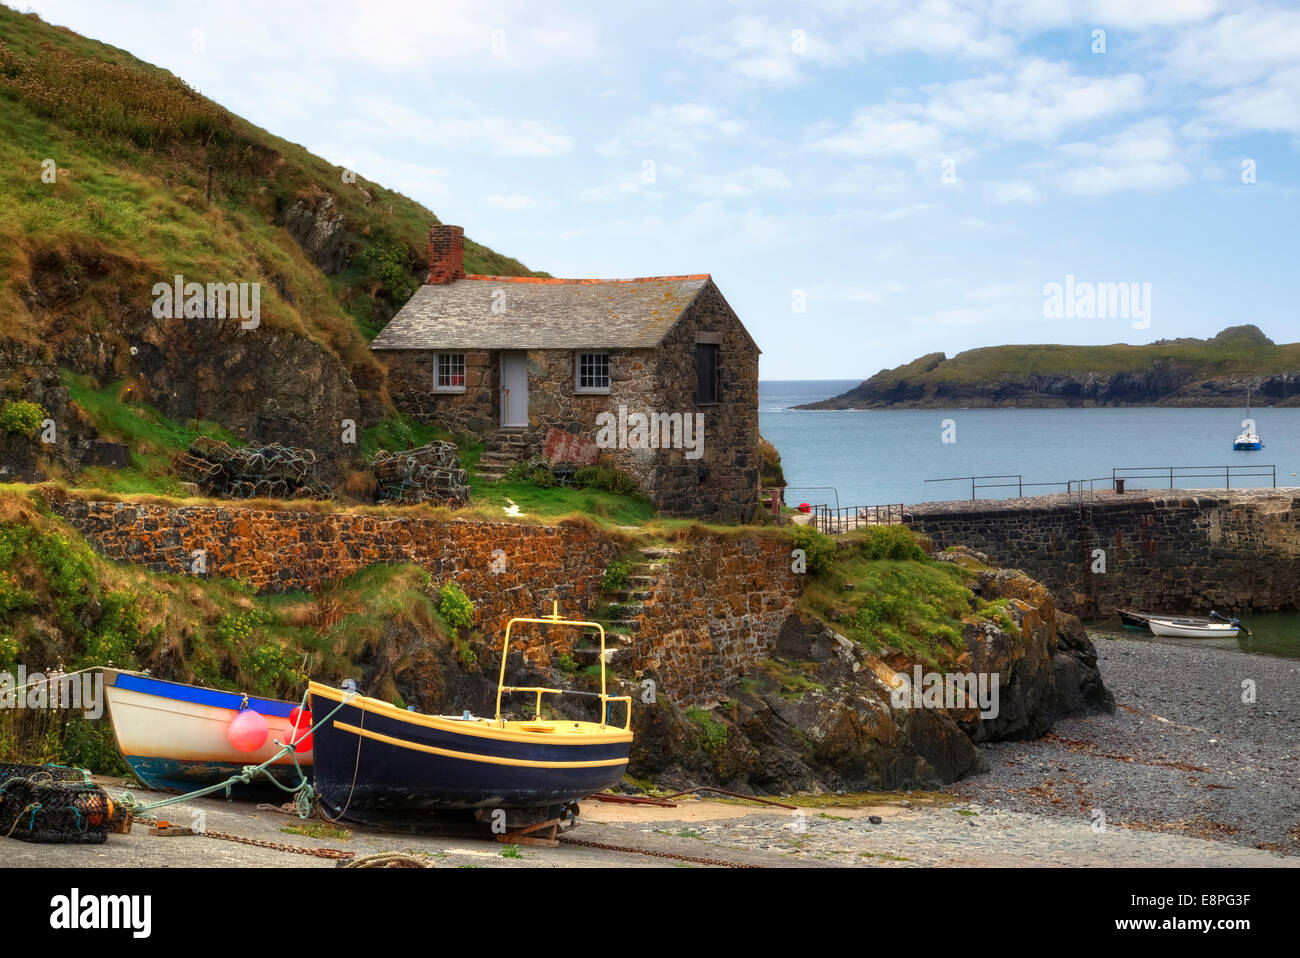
{"x": 677, "y": 127}
{"x": 510, "y": 201}
{"x": 1238, "y": 48}
{"x": 1272, "y": 106}
{"x": 1040, "y": 102}
{"x": 1145, "y": 156}
{"x": 1014, "y": 191}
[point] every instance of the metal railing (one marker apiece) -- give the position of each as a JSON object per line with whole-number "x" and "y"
{"x": 1123, "y": 475}
{"x": 831, "y": 489}
{"x": 1018, "y": 485}
{"x": 1226, "y": 473}
{"x": 836, "y": 521}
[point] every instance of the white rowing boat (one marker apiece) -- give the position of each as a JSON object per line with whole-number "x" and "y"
{"x": 1194, "y": 628}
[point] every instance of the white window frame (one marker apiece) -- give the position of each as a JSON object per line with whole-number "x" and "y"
{"x": 464, "y": 370}
{"x": 577, "y": 373}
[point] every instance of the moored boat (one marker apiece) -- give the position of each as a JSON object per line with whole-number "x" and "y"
{"x": 1193, "y": 628}
{"x": 376, "y": 762}
{"x": 177, "y": 736}
{"x": 1248, "y": 440}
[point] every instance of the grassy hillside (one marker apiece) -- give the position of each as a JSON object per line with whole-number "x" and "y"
{"x": 133, "y": 146}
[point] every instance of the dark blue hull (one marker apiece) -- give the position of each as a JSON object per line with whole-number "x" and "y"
{"x": 387, "y": 764}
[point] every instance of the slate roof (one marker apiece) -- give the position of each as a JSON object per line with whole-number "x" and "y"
{"x": 541, "y": 313}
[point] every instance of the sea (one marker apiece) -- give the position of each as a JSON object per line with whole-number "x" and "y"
{"x": 860, "y": 457}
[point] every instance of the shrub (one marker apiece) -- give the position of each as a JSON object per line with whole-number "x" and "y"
{"x": 615, "y": 576}
{"x": 273, "y": 666}
{"x": 235, "y": 629}
{"x": 22, "y": 417}
{"x": 819, "y": 549}
{"x": 455, "y": 606}
{"x": 606, "y": 478}
{"x": 891, "y": 542}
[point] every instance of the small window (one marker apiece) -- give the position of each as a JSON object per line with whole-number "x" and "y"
{"x": 707, "y": 389}
{"x": 449, "y": 373}
{"x": 593, "y": 373}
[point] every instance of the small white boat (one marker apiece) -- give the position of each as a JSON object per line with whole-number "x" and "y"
{"x": 1194, "y": 628}
{"x": 1248, "y": 440}
{"x": 174, "y": 736}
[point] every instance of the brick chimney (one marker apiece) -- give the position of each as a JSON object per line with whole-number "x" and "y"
{"x": 446, "y": 253}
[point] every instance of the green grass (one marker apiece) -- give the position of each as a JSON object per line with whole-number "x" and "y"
{"x": 713, "y": 735}
{"x": 318, "y": 830}
{"x": 400, "y": 432}
{"x": 915, "y": 605}
{"x": 151, "y": 437}
{"x": 558, "y": 502}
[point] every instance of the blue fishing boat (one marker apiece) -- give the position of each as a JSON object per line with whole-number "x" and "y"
{"x": 375, "y": 762}
{"x": 177, "y": 736}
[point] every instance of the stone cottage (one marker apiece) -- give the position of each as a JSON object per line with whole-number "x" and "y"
{"x": 658, "y": 372}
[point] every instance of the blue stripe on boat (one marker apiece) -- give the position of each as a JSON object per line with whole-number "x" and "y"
{"x": 192, "y": 693}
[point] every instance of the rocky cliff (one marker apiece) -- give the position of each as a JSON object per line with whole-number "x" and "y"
{"x": 824, "y": 714}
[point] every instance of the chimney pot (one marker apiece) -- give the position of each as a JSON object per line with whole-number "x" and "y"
{"x": 446, "y": 253}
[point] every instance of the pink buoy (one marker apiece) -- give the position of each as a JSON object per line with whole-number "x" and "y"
{"x": 247, "y": 731}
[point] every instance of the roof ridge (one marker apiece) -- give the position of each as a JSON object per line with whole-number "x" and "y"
{"x": 548, "y": 280}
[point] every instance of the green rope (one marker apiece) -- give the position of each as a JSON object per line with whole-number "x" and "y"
{"x": 304, "y": 794}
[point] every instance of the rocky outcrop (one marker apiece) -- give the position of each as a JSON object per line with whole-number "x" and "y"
{"x": 321, "y": 231}
{"x": 265, "y": 384}
{"x": 825, "y": 714}
{"x": 1180, "y": 372}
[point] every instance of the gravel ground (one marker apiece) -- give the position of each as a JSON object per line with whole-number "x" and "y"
{"x": 1183, "y": 754}
{"x": 1185, "y": 774}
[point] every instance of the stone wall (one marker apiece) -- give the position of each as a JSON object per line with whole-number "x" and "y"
{"x": 1190, "y": 551}
{"x": 278, "y": 551}
{"x": 717, "y": 607}
{"x": 723, "y": 483}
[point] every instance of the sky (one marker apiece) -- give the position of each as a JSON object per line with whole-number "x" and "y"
{"x": 866, "y": 182}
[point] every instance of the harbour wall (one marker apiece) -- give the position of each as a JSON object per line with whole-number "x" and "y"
{"x": 1178, "y": 551}
{"x": 717, "y": 602}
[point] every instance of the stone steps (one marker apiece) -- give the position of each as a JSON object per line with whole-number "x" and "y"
{"x": 492, "y": 464}
{"x": 507, "y": 440}
{"x": 657, "y": 553}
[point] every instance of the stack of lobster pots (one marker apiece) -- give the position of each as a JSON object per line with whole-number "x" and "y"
{"x": 430, "y": 473}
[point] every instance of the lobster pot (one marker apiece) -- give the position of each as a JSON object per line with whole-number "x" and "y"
{"x": 51, "y": 804}
{"x": 271, "y": 471}
{"x": 430, "y": 473}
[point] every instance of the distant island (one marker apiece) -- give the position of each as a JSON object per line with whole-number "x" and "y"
{"x": 1171, "y": 372}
